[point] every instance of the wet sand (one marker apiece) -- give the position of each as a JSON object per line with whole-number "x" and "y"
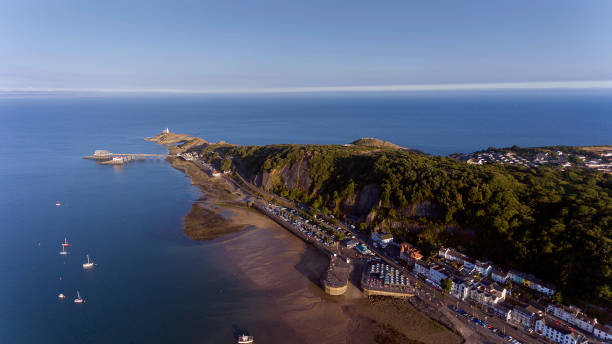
{"x": 287, "y": 270}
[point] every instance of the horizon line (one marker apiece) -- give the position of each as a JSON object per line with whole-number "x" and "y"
{"x": 530, "y": 85}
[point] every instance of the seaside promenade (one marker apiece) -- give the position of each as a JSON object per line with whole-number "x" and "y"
{"x": 426, "y": 299}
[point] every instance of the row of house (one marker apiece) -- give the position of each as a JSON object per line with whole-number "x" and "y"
{"x": 486, "y": 293}
{"x": 489, "y": 292}
{"x": 557, "y": 332}
{"x": 497, "y": 274}
{"x": 482, "y": 268}
{"x": 492, "y": 295}
{"x": 574, "y": 316}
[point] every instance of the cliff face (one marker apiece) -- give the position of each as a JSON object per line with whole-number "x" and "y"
{"x": 518, "y": 217}
{"x": 294, "y": 176}
{"x": 363, "y": 203}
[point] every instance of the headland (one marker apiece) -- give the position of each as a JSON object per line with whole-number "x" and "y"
{"x": 242, "y": 216}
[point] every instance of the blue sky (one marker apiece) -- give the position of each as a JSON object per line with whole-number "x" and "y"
{"x": 227, "y": 45}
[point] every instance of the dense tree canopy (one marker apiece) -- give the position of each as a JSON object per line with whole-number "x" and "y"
{"x": 551, "y": 222}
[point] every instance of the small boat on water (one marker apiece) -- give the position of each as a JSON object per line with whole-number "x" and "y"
{"x": 244, "y": 339}
{"x": 79, "y": 299}
{"x": 65, "y": 243}
{"x": 57, "y": 204}
{"x": 89, "y": 263}
{"x": 61, "y": 296}
{"x": 63, "y": 252}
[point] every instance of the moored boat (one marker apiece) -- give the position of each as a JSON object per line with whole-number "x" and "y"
{"x": 79, "y": 299}
{"x": 89, "y": 263}
{"x": 63, "y": 251}
{"x": 65, "y": 243}
{"x": 244, "y": 339}
{"x": 61, "y": 296}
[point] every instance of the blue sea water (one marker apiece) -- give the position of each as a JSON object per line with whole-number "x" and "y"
{"x": 152, "y": 284}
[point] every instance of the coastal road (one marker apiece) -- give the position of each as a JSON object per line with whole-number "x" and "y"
{"x": 435, "y": 299}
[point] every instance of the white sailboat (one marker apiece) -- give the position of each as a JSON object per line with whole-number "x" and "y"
{"x": 89, "y": 263}
{"x": 61, "y": 296}
{"x": 79, "y": 299}
{"x": 57, "y": 204}
{"x": 244, "y": 339}
{"x": 63, "y": 252}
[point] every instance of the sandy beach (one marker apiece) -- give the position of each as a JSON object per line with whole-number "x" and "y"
{"x": 281, "y": 264}
{"x": 289, "y": 270}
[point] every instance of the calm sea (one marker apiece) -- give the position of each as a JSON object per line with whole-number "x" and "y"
{"x": 152, "y": 285}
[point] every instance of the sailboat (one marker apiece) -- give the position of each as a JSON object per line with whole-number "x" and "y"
{"x": 63, "y": 252}
{"x": 65, "y": 243}
{"x": 89, "y": 263}
{"x": 79, "y": 299}
{"x": 57, "y": 203}
{"x": 61, "y": 296}
{"x": 244, "y": 339}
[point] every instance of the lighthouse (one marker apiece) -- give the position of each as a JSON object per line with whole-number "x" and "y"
{"x": 166, "y": 131}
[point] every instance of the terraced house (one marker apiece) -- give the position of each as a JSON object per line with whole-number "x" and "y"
{"x": 557, "y": 332}
{"x": 572, "y": 315}
{"x": 488, "y": 294}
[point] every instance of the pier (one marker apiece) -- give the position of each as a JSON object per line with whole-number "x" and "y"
{"x": 106, "y": 157}
{"x": 336, "y": 277}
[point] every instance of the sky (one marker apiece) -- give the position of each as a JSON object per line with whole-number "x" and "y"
{"x": 224, "y": 46}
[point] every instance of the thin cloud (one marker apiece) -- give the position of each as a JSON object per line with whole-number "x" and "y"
{"x": 537, "y": 85}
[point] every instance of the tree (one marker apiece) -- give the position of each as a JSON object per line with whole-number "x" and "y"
{"x": 226, "y": 164}
{"x": 363, "y": 227}
{"x": 446, "y": 284}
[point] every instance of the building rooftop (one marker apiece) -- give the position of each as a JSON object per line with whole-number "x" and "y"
{"x": 386, "y": 236}
{"x": 557, "y": 326}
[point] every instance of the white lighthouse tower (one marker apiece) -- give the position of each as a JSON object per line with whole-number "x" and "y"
{"x": 166, "y": 131}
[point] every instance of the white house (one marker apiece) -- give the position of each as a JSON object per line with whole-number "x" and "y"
{"x": 443, "y": 252}
{"x": 556, "y": 332}
{"x": 382, "y": 238}
{"x": 421, "y": 268}
{"x": 437, "y": 273}
{"x": 451, "y": 254}
{"x": 603, "y": 332}
{"x": 503, "y": 311}
{"x": 469, "y": 263}
{"x": 488, "y": 294}
{"x": 499, "y": 276}
{"x": 525, "y": 314}
{"x": 572, "y": 315}
{"x": 461, "y": 288}
{"x": 483, "y": 268}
